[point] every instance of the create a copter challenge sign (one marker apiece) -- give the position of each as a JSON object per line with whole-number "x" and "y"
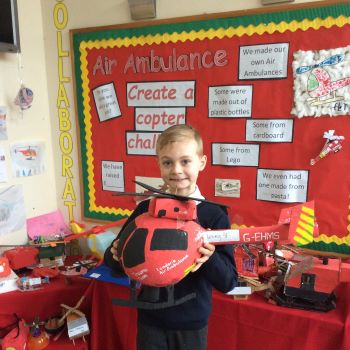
{"x": 269, "y": 91}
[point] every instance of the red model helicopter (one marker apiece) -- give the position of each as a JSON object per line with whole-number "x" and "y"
{"x": 160, "y": 247}
{"x": 320, "y": 84}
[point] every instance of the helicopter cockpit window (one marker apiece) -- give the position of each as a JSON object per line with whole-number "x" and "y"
{"x": 129, "y": 229}
{"x": 169, "y": 239}
{"x": 136, "y": 243}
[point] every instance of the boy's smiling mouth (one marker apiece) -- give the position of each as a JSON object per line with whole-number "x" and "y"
{"x": 177, "y": 180}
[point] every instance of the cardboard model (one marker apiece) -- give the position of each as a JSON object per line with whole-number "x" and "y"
{"x": 159, "y": 248}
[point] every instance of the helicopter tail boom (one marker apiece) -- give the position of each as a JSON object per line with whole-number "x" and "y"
{"x": 296, "y": 224}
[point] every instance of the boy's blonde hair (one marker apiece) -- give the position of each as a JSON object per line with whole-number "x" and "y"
{"x": 179, "y": 133}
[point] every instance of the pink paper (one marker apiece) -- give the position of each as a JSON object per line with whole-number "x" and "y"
{"x": 47, "y": 224}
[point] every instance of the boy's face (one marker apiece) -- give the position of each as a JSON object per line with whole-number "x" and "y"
{"x": 180, "y": 165}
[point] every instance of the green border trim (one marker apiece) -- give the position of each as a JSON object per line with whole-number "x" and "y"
{"x": 328, "y": 247}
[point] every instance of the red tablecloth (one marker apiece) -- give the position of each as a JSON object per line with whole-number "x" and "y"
{"x": 256, "y": 324}
{"x": 244, "y": 325}
{"x": 112, "y": 327}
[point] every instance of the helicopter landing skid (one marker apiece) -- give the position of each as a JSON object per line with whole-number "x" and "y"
{"x": 149, "y": 303}
{"x": 316, "y": 101}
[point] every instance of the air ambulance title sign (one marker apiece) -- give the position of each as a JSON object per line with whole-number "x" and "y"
{"x": 158, "y": 104}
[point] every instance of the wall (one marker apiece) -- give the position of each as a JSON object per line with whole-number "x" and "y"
{"x": 47, "y": 69}
{"x": 35, "y": 123}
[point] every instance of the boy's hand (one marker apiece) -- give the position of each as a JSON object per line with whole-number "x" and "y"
{"x": 114, "y": 249}
{"x": 207, "y": 251}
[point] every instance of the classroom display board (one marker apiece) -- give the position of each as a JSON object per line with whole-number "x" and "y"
{"x": 269, "y": 92}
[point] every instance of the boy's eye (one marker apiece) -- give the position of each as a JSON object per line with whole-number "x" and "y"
{"x": 166, "y": 163}
{"x": 185, "y": 161}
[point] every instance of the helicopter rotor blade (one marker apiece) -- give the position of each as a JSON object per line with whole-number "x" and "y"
{"x": 136, "y": 194}
{"x": 304, "y": 69}
{"x": 141, "y": 194}
{"x": 335, "y": 59}
{"x": 332, "y": 60}
{"x": 177, "y": 196}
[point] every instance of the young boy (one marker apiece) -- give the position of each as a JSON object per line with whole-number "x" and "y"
{"x": 180, "y": 159}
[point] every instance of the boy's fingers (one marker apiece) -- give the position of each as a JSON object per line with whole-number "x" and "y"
{"x": 209, "y": 246}
{"x": 196, "y": 267}
{"x": 114, "y": 250}
{"x": 207, "y": 251}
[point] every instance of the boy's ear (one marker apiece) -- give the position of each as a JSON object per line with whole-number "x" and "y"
{"x": 203, "y": 162}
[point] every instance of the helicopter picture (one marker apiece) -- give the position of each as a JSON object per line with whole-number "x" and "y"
{"x": 320, "y": 86}
{"x": 28, "y": 153}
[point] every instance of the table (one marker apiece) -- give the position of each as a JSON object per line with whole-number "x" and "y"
{"x": 45, "y": 303}
{"x": 255, "y": 324}
{"x": 234, "y": 324}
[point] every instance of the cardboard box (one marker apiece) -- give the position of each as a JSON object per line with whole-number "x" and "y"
{"x": 245, "y": 290}
{"x": 8, "y": 283}
{"x": 77, "y": 326}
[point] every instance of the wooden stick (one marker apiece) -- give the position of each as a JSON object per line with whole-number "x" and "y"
{"x": 70, "y": 309}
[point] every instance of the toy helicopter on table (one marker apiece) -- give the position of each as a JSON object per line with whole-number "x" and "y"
{"x": 160, "y": 247}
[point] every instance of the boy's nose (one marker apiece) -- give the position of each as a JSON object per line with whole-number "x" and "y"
{"x": 177, "y": 168}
